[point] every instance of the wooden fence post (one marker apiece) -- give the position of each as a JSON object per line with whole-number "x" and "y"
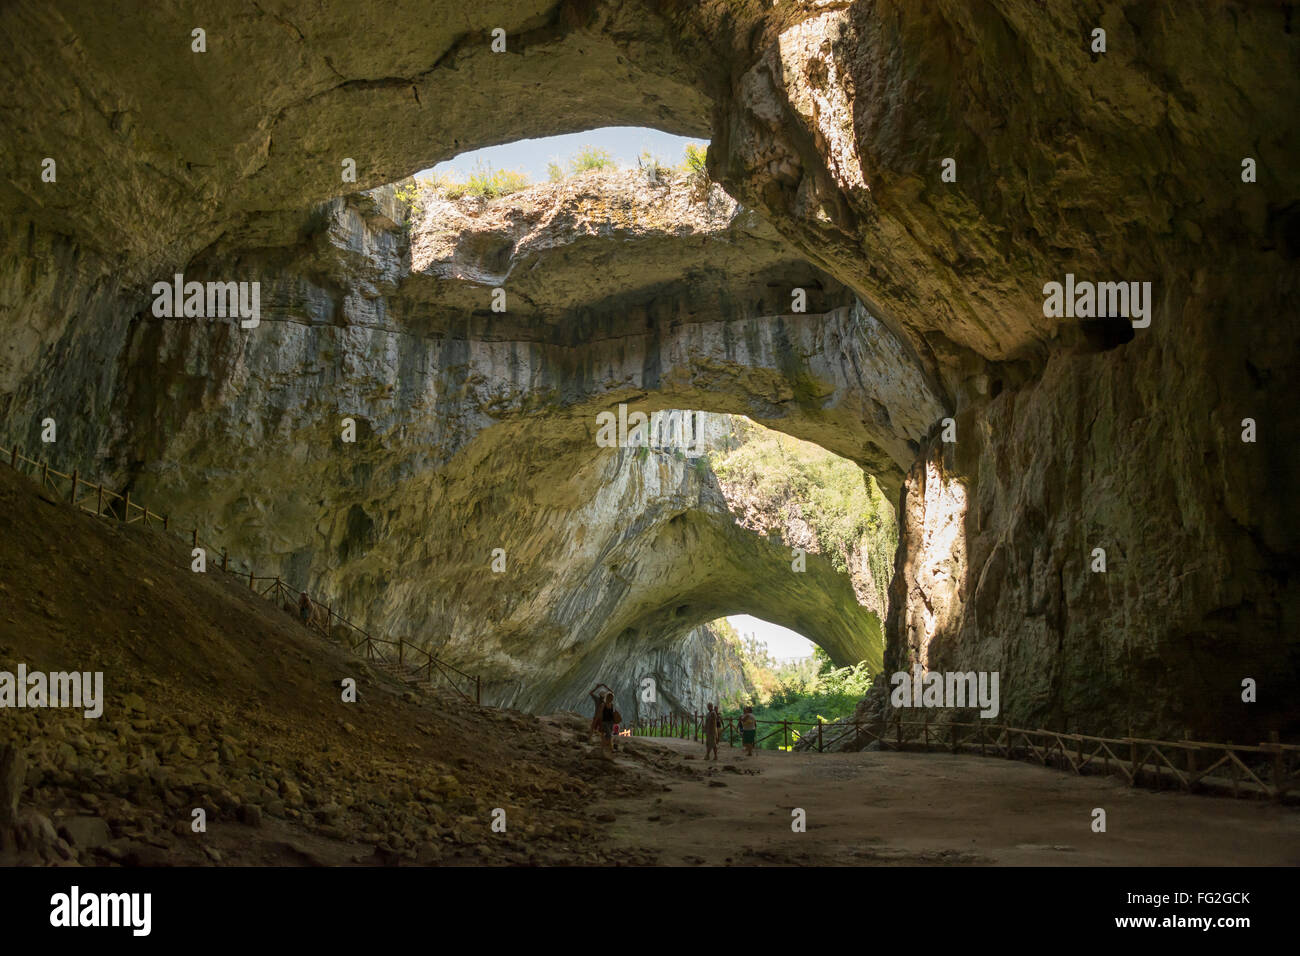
{"x": 898, "y": 728}
{"x": 224, "y": 560}
{"x": 99, "y": 505}
{"x": 126, "y": 507}
{"x": 819, "y": 736}
{"x": 785, "y": 732}
{"x": 1233, "y": 765}
{"x": 167, "y": 520}
{"x": 13, "y": 458}
{"x": 45, "y": 474}
{"x": 75, "y": 476}
{"x": 1133, "y": 758}
{"x": 478, "y": 690}
{"x": 1277, "y": 765}
{"x": 194, "y": 537}
{"x": 251, "y": 585}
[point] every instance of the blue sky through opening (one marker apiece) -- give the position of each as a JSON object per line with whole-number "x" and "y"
{"x": 782, "y": 643}
{"x": 624, "y": 143}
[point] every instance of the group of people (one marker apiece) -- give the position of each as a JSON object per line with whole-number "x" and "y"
{"x": 713, "y": 722}
{"x": 607, "y": 722}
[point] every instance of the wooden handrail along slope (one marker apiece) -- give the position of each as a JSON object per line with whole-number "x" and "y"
{"x": 101, "y": 502}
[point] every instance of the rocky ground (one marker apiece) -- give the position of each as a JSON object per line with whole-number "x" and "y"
{"x": 218, "y": 700}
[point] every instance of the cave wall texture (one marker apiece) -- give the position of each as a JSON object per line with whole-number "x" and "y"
{"x": 828, "y": 123}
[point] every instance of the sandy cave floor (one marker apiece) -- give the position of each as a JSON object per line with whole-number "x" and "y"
{"x": 929, "y": 809}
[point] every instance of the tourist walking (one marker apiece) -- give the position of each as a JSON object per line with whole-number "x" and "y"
{"x": 597, "y": 694}
{"x": 748, "y": 730}
{"x": 609, "y": 716}
{"x": 712, "y": 726}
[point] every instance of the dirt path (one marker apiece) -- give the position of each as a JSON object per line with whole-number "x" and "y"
{"x": 903, "y": 808}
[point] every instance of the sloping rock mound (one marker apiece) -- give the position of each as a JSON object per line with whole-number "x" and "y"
{"x": 214, "y": 699}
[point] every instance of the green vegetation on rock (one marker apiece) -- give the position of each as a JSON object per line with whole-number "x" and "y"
{"x": 780, "y": 484}
{"x": 484, "y": 183}
{"x": 801, "y": 692}
{"x": 590, "y": 158}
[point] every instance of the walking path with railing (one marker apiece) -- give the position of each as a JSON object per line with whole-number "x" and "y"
{"x": 1193, "y": 765}
{"x": 405, "y": 660}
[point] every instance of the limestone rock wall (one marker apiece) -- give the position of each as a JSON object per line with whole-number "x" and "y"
{"x": 1198, "y": 530}
{"x": 476, "y": 433}
{"x": 688, "y": 674}
{"x": 1071, "y": 433}
{"x": 830, "y": 121}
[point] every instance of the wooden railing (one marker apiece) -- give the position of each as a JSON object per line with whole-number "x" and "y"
{"x": 98, "y": 500}
{"x": 1269, "y": 769}
{"x": 400, "y": 655}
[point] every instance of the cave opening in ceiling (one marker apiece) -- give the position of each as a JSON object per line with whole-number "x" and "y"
{"x": 495, "y": 171}
{"x": 551, "y": 158}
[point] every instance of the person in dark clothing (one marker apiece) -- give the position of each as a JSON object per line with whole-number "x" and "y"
{"x": 598, "y": 695}
{"x": 712, "y": 727}
{"x": 608, "y": 718}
